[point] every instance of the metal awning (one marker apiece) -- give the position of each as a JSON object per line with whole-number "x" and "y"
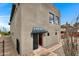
{"x": 38, "y": 30}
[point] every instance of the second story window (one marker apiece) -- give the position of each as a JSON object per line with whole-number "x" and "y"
{"x": 51, "y": 18}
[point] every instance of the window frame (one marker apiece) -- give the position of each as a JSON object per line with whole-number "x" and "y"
{"x": 51, "y": 18}
{"x": 58, "y": 20}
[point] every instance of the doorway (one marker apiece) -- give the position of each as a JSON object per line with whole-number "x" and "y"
{"x": 37, "y": 40}
{"x": 41, "y": 39}
{"x": 37, "y": 34}
{"x": 18, "y": 46}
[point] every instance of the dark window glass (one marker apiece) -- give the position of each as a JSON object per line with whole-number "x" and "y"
{"x": 18, "y": 46}
{"x": 55, "y": 33}
{"x": 48, "y": 34}
{"x": 18, "y": 4}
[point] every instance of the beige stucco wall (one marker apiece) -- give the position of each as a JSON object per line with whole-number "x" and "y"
{"x": 13, "y": 30}
{"x": 15, "y": 26}
{"x": 25, "y": 18}
{"x": 36, "y": 15}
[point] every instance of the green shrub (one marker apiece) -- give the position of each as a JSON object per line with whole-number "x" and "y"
{"x": 5, "y": 33}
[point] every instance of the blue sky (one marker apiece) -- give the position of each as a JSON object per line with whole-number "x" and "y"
{"x": 5, "y": 10}
{"x": 68, "y": 12}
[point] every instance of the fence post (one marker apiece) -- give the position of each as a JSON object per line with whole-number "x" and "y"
{"x": 3, "y": 47}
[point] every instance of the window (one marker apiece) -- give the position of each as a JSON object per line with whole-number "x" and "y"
{"x": 51, "y": 18}
{"x": 18, "y": 46}
{"x": 18, "y": 4}
{"x": 55, "y": 33}
{"x": 48, "y": 34}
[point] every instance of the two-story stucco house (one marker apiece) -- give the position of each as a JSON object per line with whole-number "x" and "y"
{"x": 33, "y": 25}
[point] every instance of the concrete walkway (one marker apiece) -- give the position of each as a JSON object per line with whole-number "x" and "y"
{"x": 41, "y": 51}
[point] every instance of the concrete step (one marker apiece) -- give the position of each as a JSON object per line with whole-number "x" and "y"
{"x": 41, "y": 51}
{"x": 53, "y": 48}
{"x": 52, "y": 54}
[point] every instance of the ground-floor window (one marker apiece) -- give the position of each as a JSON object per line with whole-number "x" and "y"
{"x": 18, "y": 46}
